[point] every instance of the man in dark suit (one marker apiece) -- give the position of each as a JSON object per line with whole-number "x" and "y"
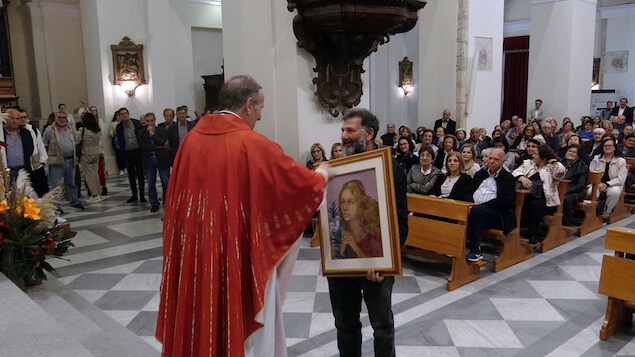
{"x": 129, "y": 142}
{"x": 493, "y": 189}
{"x": 155, "y": 156}
{"x": 178, "y": 129}
{"x": 20, "y": 145}
{"x": 448, "y": 124}
{"x": 625, "y": 110}
{"x": 168, "y": 116}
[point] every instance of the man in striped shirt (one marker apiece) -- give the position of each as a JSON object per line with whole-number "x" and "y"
{"x": 493, "y": 189}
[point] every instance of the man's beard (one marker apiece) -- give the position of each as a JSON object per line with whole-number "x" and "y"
{"x": 356, "y": 147}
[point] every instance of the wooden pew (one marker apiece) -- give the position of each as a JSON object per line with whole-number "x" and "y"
{"x": 513, "y": 250}
{"x": 630, "y": 190}
{"x": 8, "y": 96}
{"x": 591, "y": 220}
{"x": 621, "y": 211}
{"x": 617, "y": 281}
{"x": 557, "y": 234}
{"x": 434, "y": 237}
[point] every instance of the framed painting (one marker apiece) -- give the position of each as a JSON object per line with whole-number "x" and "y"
{"x": 358, "y": 217}
{"x": 128, "y": 67}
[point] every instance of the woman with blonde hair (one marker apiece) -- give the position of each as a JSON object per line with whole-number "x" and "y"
{"x": 468, "y": 153}
{"x": 359, "y": 218}
{"x": 337, "y": 151}
{"x": 318, "y": 156}
{"x": 455, "y": 183}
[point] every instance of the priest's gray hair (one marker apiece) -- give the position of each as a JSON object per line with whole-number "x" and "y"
{"x": 237, "y": 91}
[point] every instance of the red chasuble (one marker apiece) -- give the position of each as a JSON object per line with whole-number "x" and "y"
{"x": 235, "y": 205}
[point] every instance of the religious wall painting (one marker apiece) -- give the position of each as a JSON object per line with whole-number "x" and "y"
{"x": 128, "y": 67}
{"x": 483, "y": 48}
{"x": 358, "y": 217}
{"x": 615, "y": 62}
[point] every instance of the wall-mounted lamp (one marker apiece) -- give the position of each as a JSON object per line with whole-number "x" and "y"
{"x": 405, "y": 76}
{"x": 128, "y": 68}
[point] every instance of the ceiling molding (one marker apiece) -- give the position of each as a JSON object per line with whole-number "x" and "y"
{"x": 516, "y": 28}
{"x": 207, "y": 2}
{"x": 609, "y": 12}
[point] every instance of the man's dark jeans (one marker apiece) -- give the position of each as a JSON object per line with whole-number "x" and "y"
{"x": 480, "y": 219}
{"x": 346, "y": 301}
{"x": 135, "y": 172}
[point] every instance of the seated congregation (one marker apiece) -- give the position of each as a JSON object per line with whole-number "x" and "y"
{"x": 527, "y": 186}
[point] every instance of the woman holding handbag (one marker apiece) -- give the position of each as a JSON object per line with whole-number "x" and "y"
{"x": 540, "y": 175}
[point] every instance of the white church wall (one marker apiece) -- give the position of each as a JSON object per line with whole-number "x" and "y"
{"x": 164, "y": 28}
{"x": 517, "y": 10}
{"x": 485, "y": 21}
{"x": 436, "y": 70}
{"x": 292, "y": 116}
{"x": 620, "y": 36}
{"x": 387, "y": 99}
{"x": 207, "y": 50}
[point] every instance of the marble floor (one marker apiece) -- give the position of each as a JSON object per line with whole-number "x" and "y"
{"x": 545, "y": 306}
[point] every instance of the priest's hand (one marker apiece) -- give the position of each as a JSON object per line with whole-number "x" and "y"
{"x": 374, "y": 276}
{"x": 326, "y": 168}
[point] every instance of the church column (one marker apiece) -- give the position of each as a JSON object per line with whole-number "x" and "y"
{"x": 262, "y": 44}
{"x": 561, "y": 56}
{"x": 484, "y": 72}
{"x": 39, "y": 55}
{"x": 437, "y": 67}
{"x": 462, "y": 63}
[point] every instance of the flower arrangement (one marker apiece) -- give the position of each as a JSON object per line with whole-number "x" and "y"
{"x": 29, "y": 231}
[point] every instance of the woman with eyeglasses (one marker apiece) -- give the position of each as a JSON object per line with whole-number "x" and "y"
{"x": 318, "y": 154}
{"x": 405, "y": 155}
{"x": 615, "y": 172}
{"x": 422, "y": 176}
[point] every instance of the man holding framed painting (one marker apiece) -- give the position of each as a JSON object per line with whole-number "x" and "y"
{"x": 362, "y": 230}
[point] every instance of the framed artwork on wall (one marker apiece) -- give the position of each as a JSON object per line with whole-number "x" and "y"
{"x": 128, "y": 67}
{"x": 358, "y": 217}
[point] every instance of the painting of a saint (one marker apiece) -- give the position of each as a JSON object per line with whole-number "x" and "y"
{"x": 128, "y": 65}
{"x": 354, "y": 223}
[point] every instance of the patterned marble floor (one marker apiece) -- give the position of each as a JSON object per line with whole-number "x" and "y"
{"x": 546, "y": 306}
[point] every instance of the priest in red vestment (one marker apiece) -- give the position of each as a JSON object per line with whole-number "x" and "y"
{"x": 235, "y": 206}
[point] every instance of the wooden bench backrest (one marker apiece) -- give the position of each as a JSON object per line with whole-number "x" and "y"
{"x": 434, "y": 234}
{"x": 594, "y": 179}
{"x": 520, "y": 200}
{"x": 618, "y": 274}
{"x": 562, "y": 189}
{"x": 630, "y": 162}
{"x": 7, "y": 86}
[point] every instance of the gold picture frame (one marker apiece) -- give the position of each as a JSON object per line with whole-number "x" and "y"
{"x": 358, "y": 217}
{"x": 128, "y": 66}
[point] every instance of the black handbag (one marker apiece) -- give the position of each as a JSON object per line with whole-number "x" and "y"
{"x": 78, "y": 147}
{"x": 535, "y": 191}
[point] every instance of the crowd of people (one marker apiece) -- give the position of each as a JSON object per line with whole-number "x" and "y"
{"x": 73, "y": 150}
{"x": 443, "y": 160}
